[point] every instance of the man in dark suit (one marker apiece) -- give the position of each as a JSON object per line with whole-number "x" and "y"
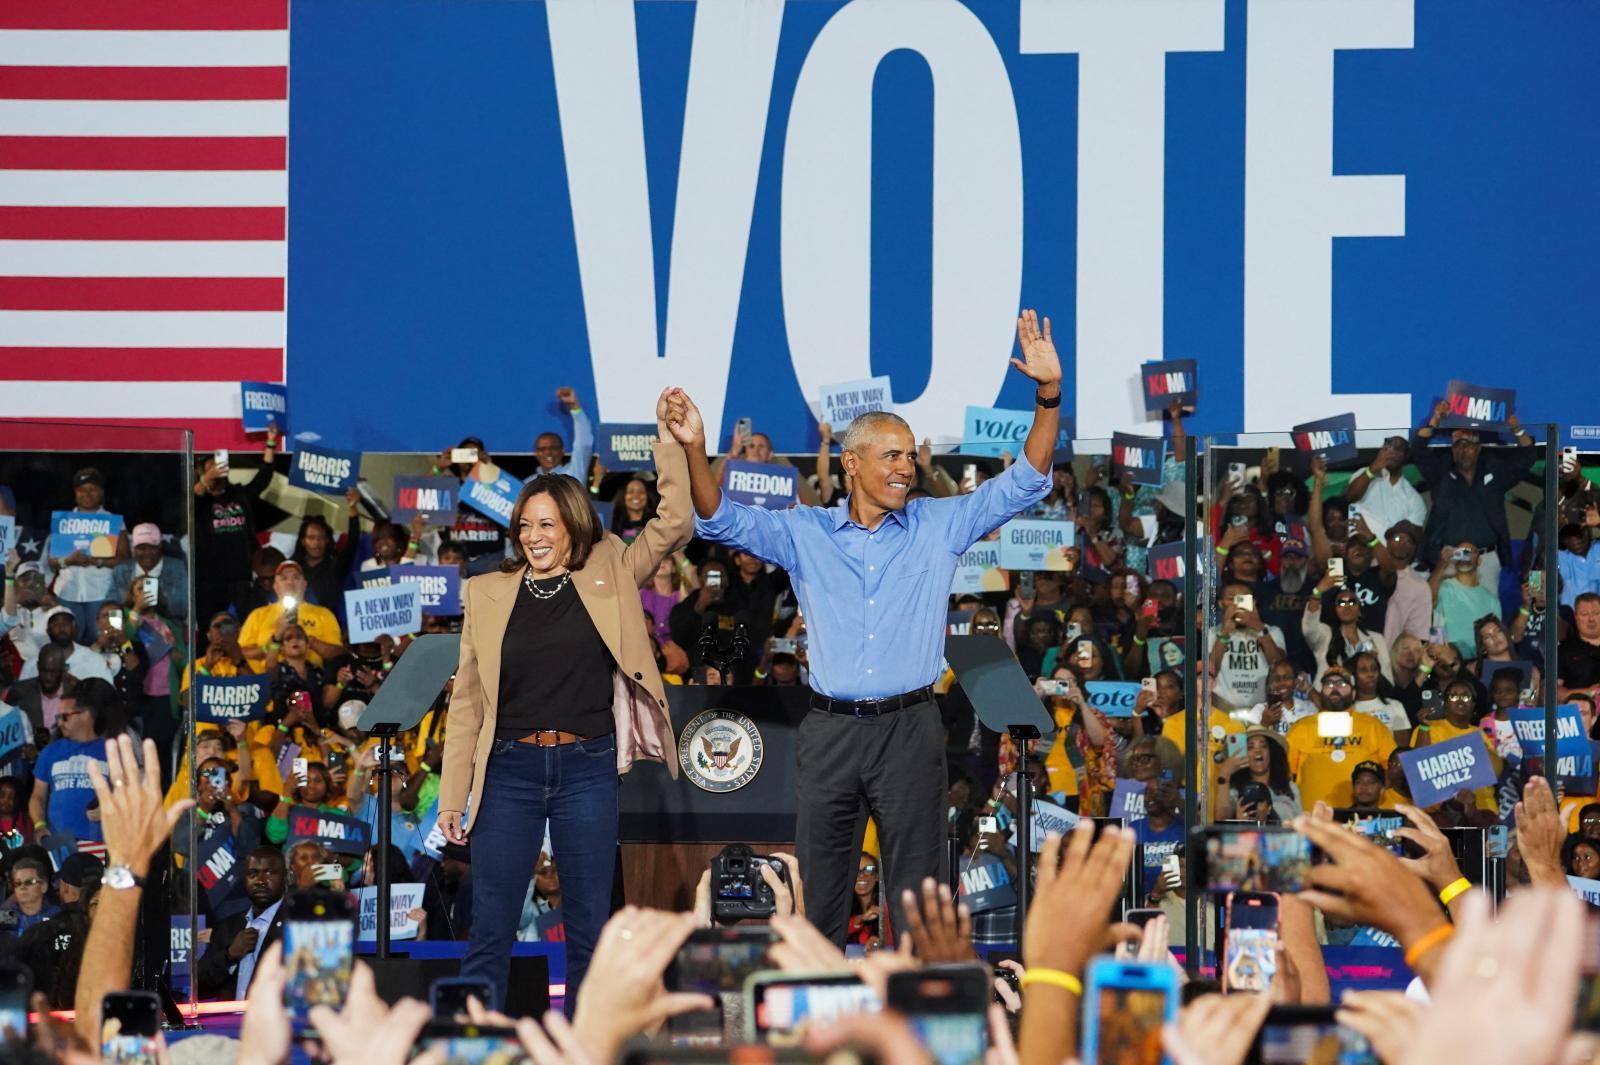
{"x": 224, "y": 971}
{"x": 31, "y": 695}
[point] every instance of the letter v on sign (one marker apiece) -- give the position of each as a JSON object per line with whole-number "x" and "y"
{"x": 594, "y": 50}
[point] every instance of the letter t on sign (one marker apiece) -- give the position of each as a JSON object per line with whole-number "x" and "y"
{"x": 1122, "y": 98}
{"x": 1295, "y": 205}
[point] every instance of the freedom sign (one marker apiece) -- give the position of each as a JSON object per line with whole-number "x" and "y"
{"x": 337, "y": 832}
{"x": 324, "y": 470}
{"x": 440, "y": 586}
{"x": 991, "y": 430}
{"x": 843, "y": 403}
{"x": 761, "y": 484}
{"x": 1113, "y": 698}
{"x": 388, "y": 610}
{"x": 1334, "y": 439}
{"x": 1574, "y": 751}
{"x": 978, "y": 570}
{"x": 492, "y": 498}
{"x": 1137, "y": 456}
{"x": 93, "y": 534}
{"x": 263, "y": 404}
{"x": 626, "y": 446}
{"x": 219, "y": 700}
{"x": 1478, "y": 406}
{"x": 1036, "y": 544}
{"x": 1171, "y": 379}
{"x": 435, "y": 498}
{"x": 1440, "y": 771}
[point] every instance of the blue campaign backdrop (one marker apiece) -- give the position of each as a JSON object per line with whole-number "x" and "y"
{"x": 436, "y": 148}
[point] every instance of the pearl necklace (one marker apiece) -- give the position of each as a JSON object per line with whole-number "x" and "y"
{"x": 540, "y": 593}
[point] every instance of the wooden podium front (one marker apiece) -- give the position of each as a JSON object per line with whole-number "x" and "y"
{"x": 671, "y": 829}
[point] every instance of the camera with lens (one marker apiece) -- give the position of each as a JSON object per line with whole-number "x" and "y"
{"x": 738, "y": 890}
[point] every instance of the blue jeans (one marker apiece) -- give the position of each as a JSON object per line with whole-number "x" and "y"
{"x": 575, "y": 788}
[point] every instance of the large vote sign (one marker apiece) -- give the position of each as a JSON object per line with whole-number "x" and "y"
{"x": 1113, "y": 698}
{"x": 1440, "y": 771}
{"x": 755, "y": 199}
{"x": 325, "y": 470}
{"x": 760, "y": 484}
{"x": 219, "y": 700}
{"x": 94, "y": 535}
{"x": 988, "y": 431}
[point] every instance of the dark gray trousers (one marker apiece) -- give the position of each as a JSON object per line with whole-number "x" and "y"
{"x": 892, "y": 767}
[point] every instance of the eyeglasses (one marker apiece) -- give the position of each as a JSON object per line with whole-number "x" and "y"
{"x": 1142, "y": 756}
{"x": 869, "y": 868}
{"x": 1336, "y": 682}
{"x": 27, "y": 883}
{"x": 1459, "y": 697}
{"x": 1346, "y": 602}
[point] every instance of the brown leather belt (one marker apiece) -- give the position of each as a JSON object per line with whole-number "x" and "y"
{"x": 550, "y": 738}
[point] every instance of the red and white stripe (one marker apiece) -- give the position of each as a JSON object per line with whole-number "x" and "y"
{"x": 143, "y": 210}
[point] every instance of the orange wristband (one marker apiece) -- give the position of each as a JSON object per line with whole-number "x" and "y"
{"x": 1428, "y": 942}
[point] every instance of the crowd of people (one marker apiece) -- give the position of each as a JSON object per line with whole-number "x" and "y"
{"x": 1390, "y": 596}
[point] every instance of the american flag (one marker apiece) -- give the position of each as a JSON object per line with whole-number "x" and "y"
{"x": 143, "y": 202}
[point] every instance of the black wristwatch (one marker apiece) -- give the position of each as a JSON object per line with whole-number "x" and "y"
{"x": 1047, "y": 404}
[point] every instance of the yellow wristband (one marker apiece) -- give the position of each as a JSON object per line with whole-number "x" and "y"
{"x": 1454, "y": 889}
{"x": 1055, "y": 978}
{"x": 1428, "y": 942}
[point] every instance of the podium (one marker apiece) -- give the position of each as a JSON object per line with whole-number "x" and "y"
{"x": 670, "y": 829}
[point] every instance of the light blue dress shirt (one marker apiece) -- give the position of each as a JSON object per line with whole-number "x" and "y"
{"x": 876, "y": 603}
{"x": 582, "y": 449}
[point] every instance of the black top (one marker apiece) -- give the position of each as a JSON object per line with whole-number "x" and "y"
{"x": 555, "y": 670}
{"x": 1578, "y": 663}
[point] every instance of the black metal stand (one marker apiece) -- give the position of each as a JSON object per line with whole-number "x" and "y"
{"x": 1021, "y": 735}
{"x": 386, "y": 734}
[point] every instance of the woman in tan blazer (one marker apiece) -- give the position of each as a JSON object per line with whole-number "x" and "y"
{"x": 556, "y": 693}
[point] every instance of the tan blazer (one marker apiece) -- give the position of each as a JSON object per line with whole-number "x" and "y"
{"x": 609, "y": 586}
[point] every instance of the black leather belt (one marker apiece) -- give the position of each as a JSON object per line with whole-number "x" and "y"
{"x": 870, "y": 707}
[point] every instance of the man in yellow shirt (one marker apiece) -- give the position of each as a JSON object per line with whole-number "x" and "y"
{"x": 1325, "y": 748}
{"x": 263, "y": 629}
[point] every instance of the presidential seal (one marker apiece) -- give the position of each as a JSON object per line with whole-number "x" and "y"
{"x": 720, "y": 750}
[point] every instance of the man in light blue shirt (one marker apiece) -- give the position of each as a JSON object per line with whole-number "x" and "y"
{"x": 549, "y": 450}
{"x": 873, "y": 578}
{"x": 1579, "y": 562}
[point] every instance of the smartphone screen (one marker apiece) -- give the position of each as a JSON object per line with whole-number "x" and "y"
{"x": 1336, "y": 568}
{"x": 1295, "y": 1035}
{"x": 1124, "y": 1008}
{"x": 779, "y": 1007}
{"x": 947, "y": 1006}
{"x": 216, "y": 776}
{"x": 130, "y": 1026}
{"x": 16, "y": 986}
{"x": 319, "y": 936}
{"x": 471, "y": 1044}
{"x": 1380, "y": 829}
{"x": 448, "y": 995}
{"x": 741, "y": 430}
{"x": 714, "y": 961}
{"x": 1250, "y": 948}
{"x": 1254, "y": 859}
{"x": 463, "y": 456}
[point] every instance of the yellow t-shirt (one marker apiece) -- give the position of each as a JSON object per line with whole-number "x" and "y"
{"x": 1391, "y": 799}
{"x": 1441, "y": 731}
{"x": 1322, "y": 764}
{"x": 262, "y": 623}
{"x": 1172, "y": 729}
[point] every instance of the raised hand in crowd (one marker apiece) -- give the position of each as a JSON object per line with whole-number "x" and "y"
{"x": 1540, "y": 833}
{"x": 367, "y": 1031}
{"x": 1387, "y": 1019}
{"x": 940, "y": 929}
{"x": 622, "y": 994}
{"x": 1215, "y": 1029}
{"x": 1437, "y": 864}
